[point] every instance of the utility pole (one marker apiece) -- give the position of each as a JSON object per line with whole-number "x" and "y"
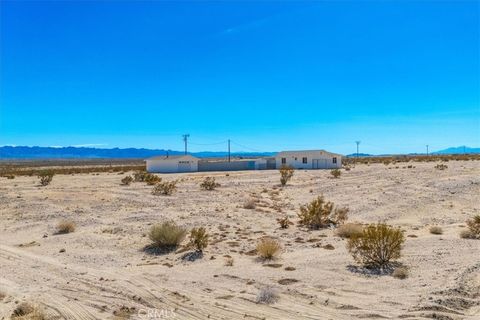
{"x": 228, "y": 150}
{"x": 185, "y": 138}
{"x": 357, "y": 142}
{"x": 463, "y": 149}
{"x": 427, "y": 150}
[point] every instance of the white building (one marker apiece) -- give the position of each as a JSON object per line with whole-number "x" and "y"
{"x": 171, "y": 164}
{"x": 308, "y": 159}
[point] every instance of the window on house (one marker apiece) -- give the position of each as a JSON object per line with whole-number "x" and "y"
{"x": 304, "y": 159}
{"x": 334, "y": 160}
{"x": 295, "y": 158}
{"x": 284, "y": 160}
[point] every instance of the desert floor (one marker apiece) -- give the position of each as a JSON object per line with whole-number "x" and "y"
{"x": 104, "y": 273}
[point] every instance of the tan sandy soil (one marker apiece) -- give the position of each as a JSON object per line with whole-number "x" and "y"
{"x": 104, "y": 267}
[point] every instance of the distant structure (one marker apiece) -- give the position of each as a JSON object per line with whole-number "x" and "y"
{"x": 302, "y": 159}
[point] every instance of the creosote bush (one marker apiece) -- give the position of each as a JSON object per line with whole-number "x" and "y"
{"x": 26, "y": 311}
{"x": 436, "y": 230}
{"x": 127, "y": 180}
{"x": 441, "y": 166}
{"x": 165, "y": 188}
{"x": 152, "y": 179}
{"x": 65, "y": 226}
{"x": 320, "y": 213}
{"x": 336, "y": 173}
{"x": 377, "y": 246}
{"x": 268, "y": 248}
{"x": 473, "y": 231}
{"x": 209, "y": 184}
{"x": 198, "y": 238}
{"x": 284, "y": 222}
{"x": 167, "y": 235}
{"x": 139, "y": 176}
{"x": 45, "y": 176}
{"x": 286, "y": 173}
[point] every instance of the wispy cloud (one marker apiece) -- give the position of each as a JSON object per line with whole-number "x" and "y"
{"x": 89, "y": 145}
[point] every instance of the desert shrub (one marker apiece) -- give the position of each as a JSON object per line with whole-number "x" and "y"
{"x": 319, "y": 213}
{"x": 267, "y": 295}
{"x": 268, "y": 248}
{"x": 286, "y": 173}
{"x": 152, "y": 179}
{"x": 473, "y": 231}
{"x": 400, "y": 273}
{"x": 26, "y": 311}
{"x": 209, "y": 184}
{"x": 229, "y": 262}
{"x": 377, "y": 245}
{"x": 441, "y": 166}
{"x": 65, "y": 226}
{"x": 127, "y": 180}
{"x": 335, "y": 173}
{"x": 45, "y": 177}
{"x": 167, "y": 235}
{"x": 249, "y": 204}
{"x": 165, "y": 188}
{"x": 10, "y": 176}
{"x": 349, "y": 230}
{"x": 139, "y": 176}
{"x": 436, "y": 230}
{"x": 198, "y": 238}
{"x": 284, "y": 222}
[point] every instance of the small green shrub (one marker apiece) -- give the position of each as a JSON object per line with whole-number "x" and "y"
{"x": 377, "y": 245}
{"x": 268, "y": 248}
{"x": 165, "y": 188}
{"x": 127, "y": 180}
{"x": 199, "y": 238}
{"x": 286, "y": 173}
{"x": 209, "y": 184}
{"x": 167, "y": 235}
{"x": 336, "y": 173}
{"x": 319, "y": 213}
{"x": 45, "y": 176}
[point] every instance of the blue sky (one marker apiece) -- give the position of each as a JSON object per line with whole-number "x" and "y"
{"x": 269, "y": 76}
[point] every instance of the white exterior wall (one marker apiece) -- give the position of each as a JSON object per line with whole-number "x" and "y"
{"x": 315, "y": 160}
{"x": 170, "y": 166}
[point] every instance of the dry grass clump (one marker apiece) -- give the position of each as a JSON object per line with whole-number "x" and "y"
{"x": 473, "y": 231}
{"x": 377, "y": 246}
{"x": 441, "y": 166}
{"x": 320, "y": 213}
{"x": 167, "y": 235}
{"x": 45, "y": 176}
{"x": 286, "y": 173}
{"x": 284, "y": 222}
{"x": 127, "y": 180}
{"x": 209, "y": 184}
{"x": 335, "y": 173}
{"x": 165, "y": 188}
{"x": 26, "y": 311}
{"x": 436, "y": 230}
{"x": 229, "y": 262}
{"x": 65, "y": 226}
{"x": 198, "y": 239}
{"x": 349, "y": 230}
{"x": 400, "y": 273}
{"x": 139, "y": 176}
{"x": 268, "y": 248}
{"x": 152, "y": 179}
{"x": 249, "y": 204}
{"x": 267, "y": 295}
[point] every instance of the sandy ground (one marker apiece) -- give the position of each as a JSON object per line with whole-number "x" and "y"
{"x": 104, "y": 267}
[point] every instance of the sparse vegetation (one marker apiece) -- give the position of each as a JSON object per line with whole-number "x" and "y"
{"x": 127, "y": 180}
{"x": 335, "y": 173}
{"x": 400, "y": 273}
{"x": 441, "y": 166}
{"x": 26, "y": 311}
{"x": 267, "y": 295}
{"x": 152, "y": 179}
{"x": 65, "y": 226}
{"x": 268, "y": 248}
{"x": 436, "y": 230}
{"x": 229, "y": 262}
{"x": 473, "y": 231}
{"x": 319, "y": 213}
{"x": 209, "y": 184}
{"x": 286, "y": 173}
{"x": 284, "y": 222}
{"x": 249, "y": 204}
{"x": 198, "y": 238}
{"x": 45, "y": 176}
{"x": 139, "y": 176}
{"x": 349, "y": 230}
{"x": 167, "y": 235}
{"x": 377, "y": 245}
{"x": 165, "y": 188}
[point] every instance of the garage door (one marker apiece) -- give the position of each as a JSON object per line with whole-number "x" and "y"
{"x": 319, "y": 163}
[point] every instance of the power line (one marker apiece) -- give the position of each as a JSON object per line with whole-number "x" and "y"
{"x": 245, "y": 147}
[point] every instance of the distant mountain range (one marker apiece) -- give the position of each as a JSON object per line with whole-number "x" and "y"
{"x": 9, "y": 152}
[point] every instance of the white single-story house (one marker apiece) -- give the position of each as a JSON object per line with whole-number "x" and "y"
{"x": 308, "y": 159}
{"x": 171, "y": 164}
